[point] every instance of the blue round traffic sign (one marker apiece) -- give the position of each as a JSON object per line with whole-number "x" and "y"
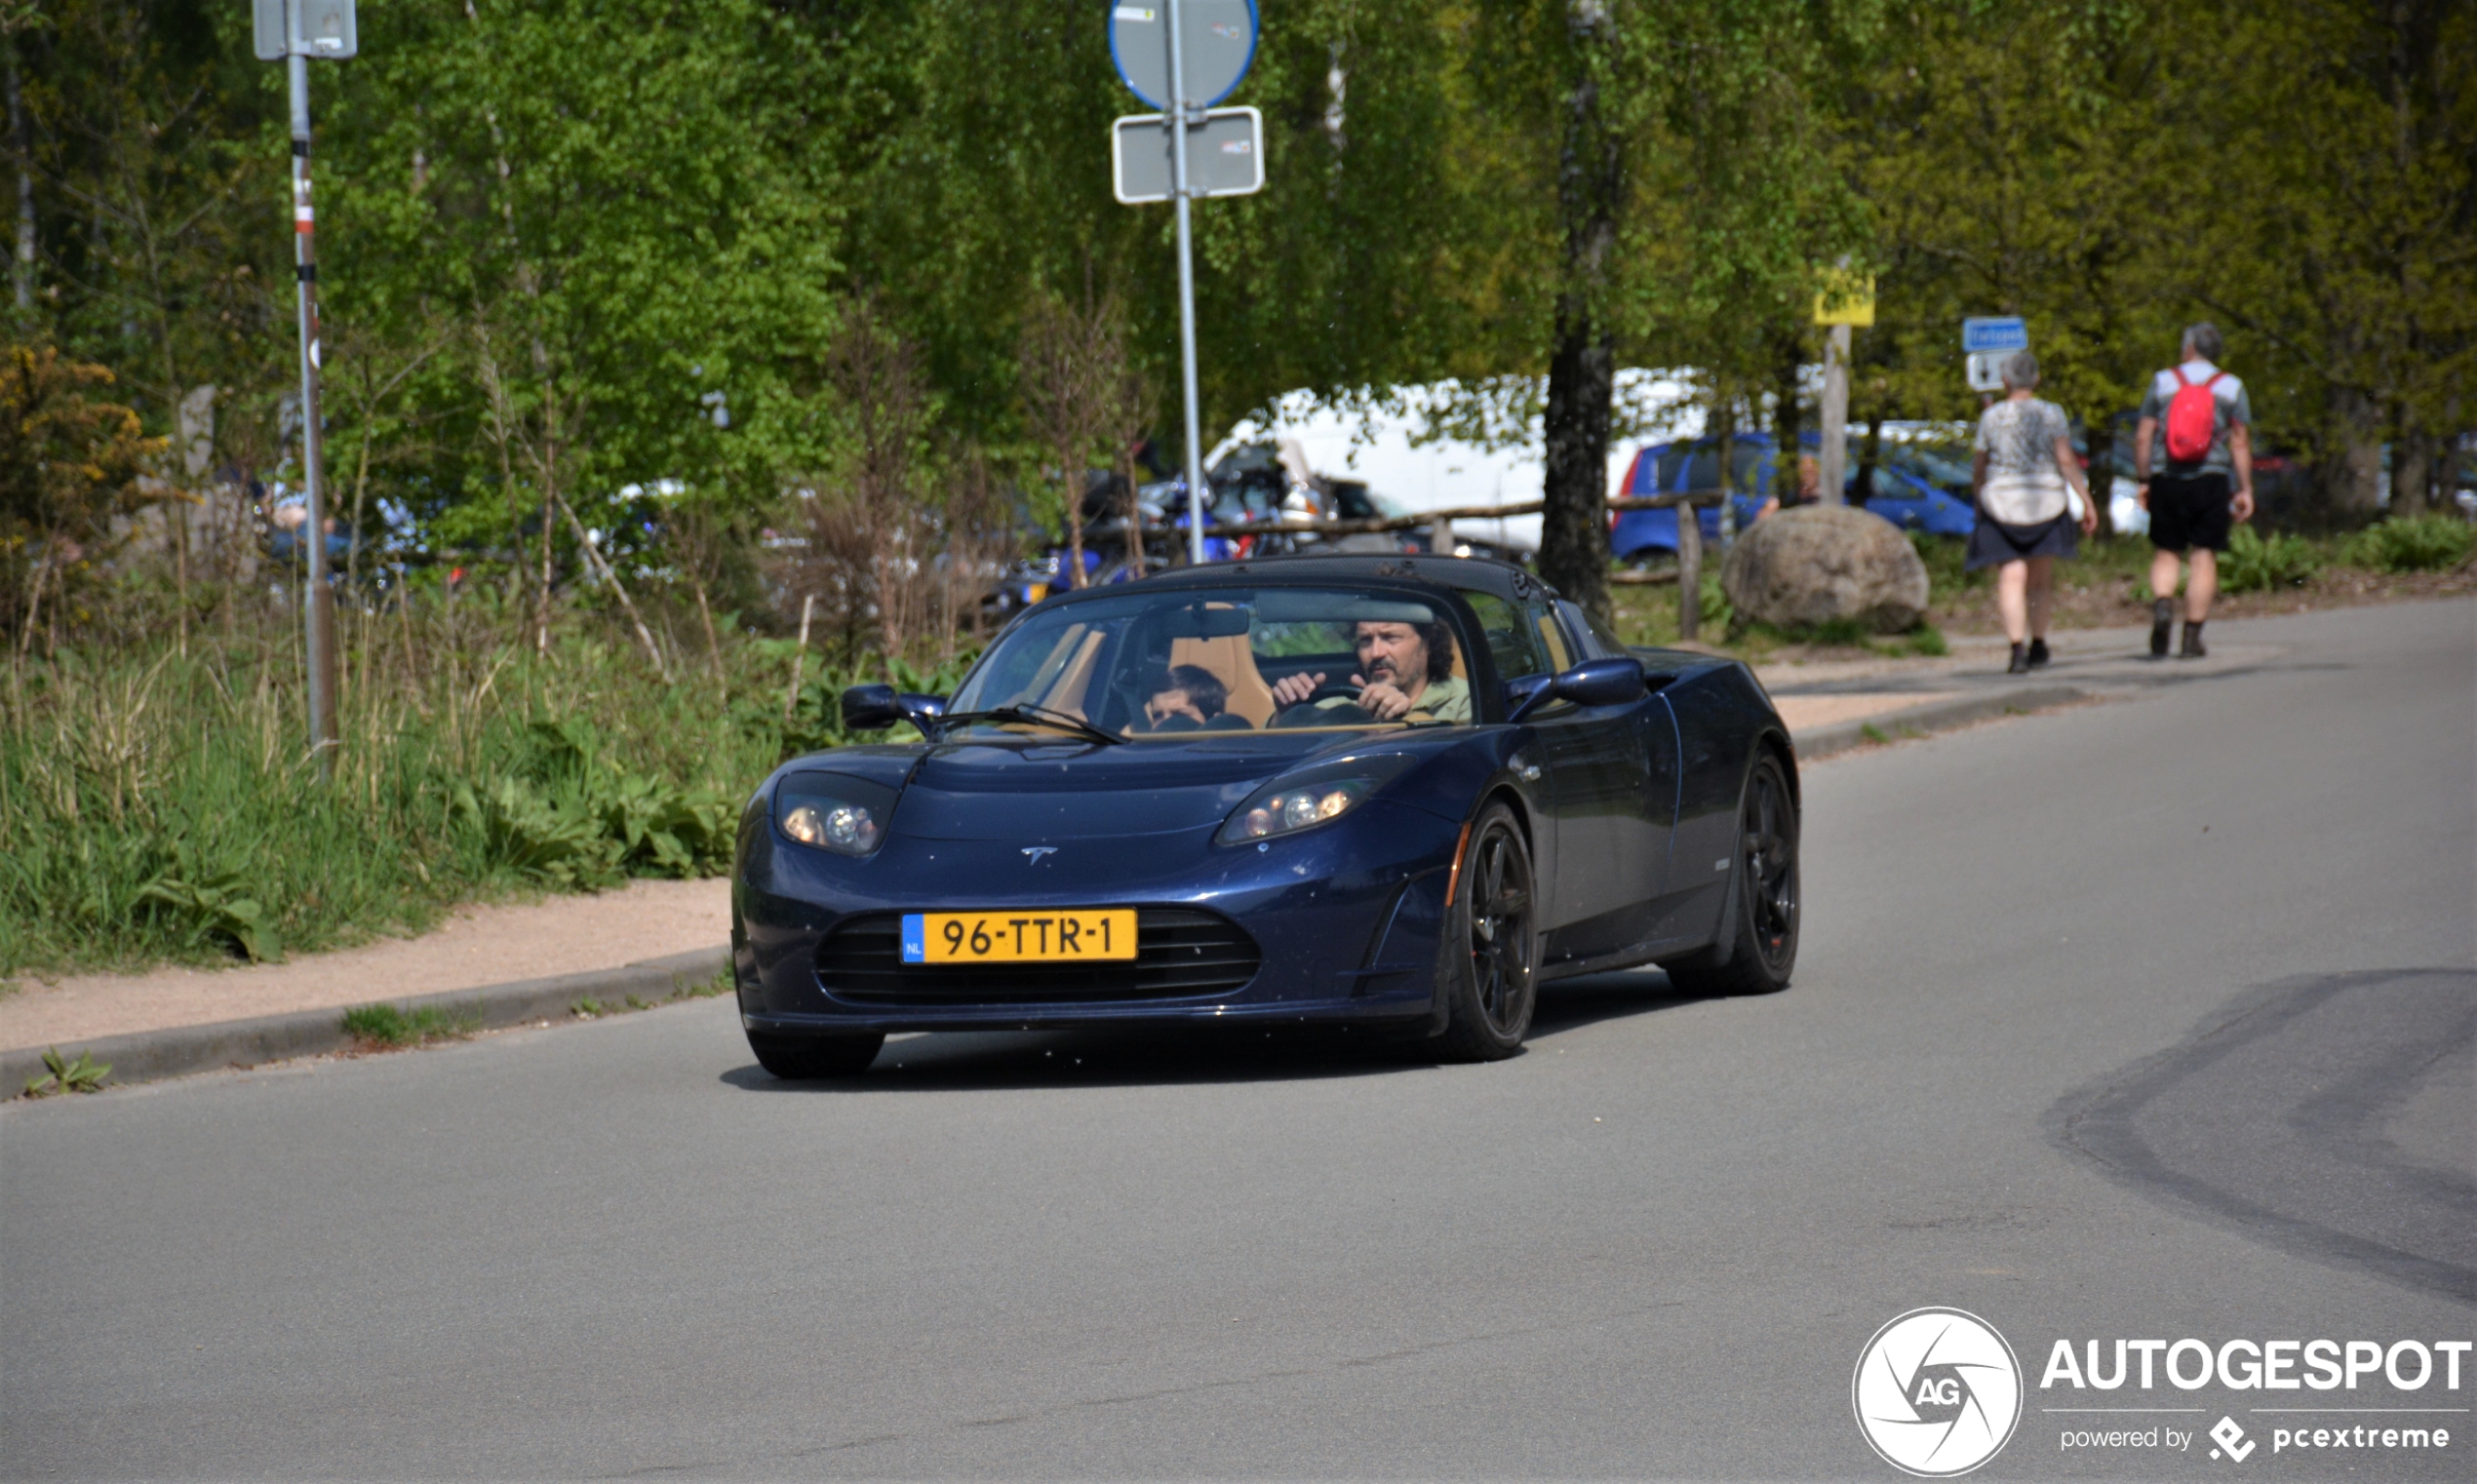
{"x": 1217, "y": 40}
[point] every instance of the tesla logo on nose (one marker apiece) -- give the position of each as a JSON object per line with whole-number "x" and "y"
{"x": 1034, "y": 853}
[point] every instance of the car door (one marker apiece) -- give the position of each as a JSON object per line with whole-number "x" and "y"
{"x": 1647, "y": 834}
{"x": 1596, "y": 778}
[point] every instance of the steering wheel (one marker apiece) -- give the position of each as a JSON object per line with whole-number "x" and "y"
{"x": 1331, "y": 690}
{"x": 1308, "y": 714}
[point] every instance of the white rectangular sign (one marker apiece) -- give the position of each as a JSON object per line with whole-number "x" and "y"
{"x": 1225, "y": 156}
{"x": 280, "y": 28}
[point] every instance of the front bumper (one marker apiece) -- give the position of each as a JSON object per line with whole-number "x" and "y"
{"x": 1346, "y": 919}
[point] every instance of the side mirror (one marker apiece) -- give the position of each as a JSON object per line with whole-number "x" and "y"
{"x": 1593, "y": 682}
{"x": 1603, "y": 681}
{"x": 873, "y": 708}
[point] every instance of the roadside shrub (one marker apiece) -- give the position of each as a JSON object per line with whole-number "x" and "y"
{"x": 2426, "y": 545}
{"x": 2254, "y": 564}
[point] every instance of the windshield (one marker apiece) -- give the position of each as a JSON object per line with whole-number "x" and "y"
{"x": 1225, "y": 659}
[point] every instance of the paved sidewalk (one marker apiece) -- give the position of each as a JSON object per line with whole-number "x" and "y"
{"x": 477, "y": 946}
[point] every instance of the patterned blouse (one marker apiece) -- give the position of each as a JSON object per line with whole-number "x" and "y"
{"x": 2024, "y": 486}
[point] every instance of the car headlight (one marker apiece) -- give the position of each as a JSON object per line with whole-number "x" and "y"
{"x": 834, "y": 811}
{"x": 1310, "y": 797}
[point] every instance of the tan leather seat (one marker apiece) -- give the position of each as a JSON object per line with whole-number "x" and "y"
{"x": 1234, "y": 664}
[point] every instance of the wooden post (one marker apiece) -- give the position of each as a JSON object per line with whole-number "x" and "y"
{"x": 798, "y": 660}
{"x": 1689, "y": 570}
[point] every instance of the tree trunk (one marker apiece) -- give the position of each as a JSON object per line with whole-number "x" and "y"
{"x": 2352, "y": 471}
{"x": 21, "y": 262}
{"x": 1574, "y": 524}
{"x": 1582, "y": 370}
{"x": 2412, "y": 464}
{"x": 1788, "y": 420}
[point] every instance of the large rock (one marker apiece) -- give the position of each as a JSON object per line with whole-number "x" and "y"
{"x": 1815, "y": 563}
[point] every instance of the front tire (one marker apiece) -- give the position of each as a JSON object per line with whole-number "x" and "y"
{"x": 1487, "y": 970}
{"x": 810, "y": 1058}
{"x": 1758, "y": 942}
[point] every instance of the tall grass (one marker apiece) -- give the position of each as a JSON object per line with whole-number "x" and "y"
{"x": 158, "y": 801}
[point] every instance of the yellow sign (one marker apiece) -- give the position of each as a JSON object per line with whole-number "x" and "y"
{"x": 1855, "y": 295}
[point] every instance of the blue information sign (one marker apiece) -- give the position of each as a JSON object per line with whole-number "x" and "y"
{"x": 1994, "y": 334}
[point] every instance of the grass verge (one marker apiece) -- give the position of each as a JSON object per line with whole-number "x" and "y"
{"x": 386, "y": 1027}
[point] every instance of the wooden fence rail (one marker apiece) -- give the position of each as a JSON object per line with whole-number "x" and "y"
{"x": 1689, "y": 575}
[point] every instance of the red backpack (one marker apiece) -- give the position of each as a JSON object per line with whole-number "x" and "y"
{"x": 2192, "y": 418}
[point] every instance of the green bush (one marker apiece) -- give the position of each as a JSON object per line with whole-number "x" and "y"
{"x": 2424, "y": 544}
{"x": 2254, "y": 564}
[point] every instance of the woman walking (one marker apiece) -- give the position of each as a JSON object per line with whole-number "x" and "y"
{"x": 2023, "y": 466}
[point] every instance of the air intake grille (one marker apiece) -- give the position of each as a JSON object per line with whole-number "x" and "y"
{"x": 1179, "y": 953}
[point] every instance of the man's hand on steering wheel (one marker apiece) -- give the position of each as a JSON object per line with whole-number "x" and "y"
{"x": 1383, "y": 701}
{"x": 1292, "y": 689}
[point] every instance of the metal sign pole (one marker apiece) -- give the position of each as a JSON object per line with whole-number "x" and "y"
{"x": 318, "y": 605}
{"x": 1185, "y": 293}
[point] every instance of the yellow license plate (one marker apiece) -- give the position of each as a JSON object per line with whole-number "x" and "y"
{"x": 1044, "y": 935}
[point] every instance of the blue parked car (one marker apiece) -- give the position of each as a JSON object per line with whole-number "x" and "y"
{"x": 1915, "y": 488}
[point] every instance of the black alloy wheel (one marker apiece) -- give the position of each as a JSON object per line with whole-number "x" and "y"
{"x": 1489, "y": 965}
{"x": 1760, "y": 939}
{"x": 809, "y": 1057}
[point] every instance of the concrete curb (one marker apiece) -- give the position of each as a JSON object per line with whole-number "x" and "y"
{"x": 1931, "y": 717}
{"x": 148, "y": 1056}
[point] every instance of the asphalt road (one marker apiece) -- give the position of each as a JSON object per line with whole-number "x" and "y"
{"x": 2150, "y": 1018}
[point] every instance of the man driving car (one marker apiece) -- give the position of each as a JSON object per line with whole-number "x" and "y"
{"x": 1405, "y": 673}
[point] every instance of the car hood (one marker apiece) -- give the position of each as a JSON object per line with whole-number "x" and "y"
{"x": 1049, "y": 791}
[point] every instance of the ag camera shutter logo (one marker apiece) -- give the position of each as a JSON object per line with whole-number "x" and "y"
{"x": 1937, "y": 1393}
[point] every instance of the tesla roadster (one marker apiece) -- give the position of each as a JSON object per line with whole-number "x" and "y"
{"x": 1383, "y": 791}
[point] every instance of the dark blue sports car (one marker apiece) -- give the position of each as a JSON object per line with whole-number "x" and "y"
{"x": 1372, "y": 790}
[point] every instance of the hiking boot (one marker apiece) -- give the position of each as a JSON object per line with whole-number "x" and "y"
{"x": 2162, "y": 627}
{"x": 2038, "y": 654}
{"x": 2019, "y": 664}
{"x": 2192, "y": 643}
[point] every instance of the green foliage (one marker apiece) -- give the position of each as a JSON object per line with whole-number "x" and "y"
{"x": 1926, "y": 639}
{"x": 1716, "y": 611}
{"x": 84, "y": 1074}
{"x": 2255, "y": 563}
{"x": 2426, "y": 545}
{"x": 213, "y": 907}
{"x": 570, "y": 815}
{"x": 386, "y": 1024}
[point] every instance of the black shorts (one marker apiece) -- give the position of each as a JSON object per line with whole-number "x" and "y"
{"x": 2190, "y": 511}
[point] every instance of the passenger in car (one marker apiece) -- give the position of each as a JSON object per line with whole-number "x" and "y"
{"x": 1405, "y": 674}
{"x": 1185, "y": 698}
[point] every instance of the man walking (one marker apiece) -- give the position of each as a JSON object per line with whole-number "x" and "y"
{"x": 2197, "y": 429}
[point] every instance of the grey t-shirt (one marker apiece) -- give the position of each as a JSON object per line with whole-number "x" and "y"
{"x": 2023, "y": 485}
{"x": 2228, "y": 407}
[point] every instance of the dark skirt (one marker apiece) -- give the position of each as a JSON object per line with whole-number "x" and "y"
{"x": 1993, "y": 543}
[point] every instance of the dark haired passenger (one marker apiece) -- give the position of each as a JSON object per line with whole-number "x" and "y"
{"x": 1184, "y": 698}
